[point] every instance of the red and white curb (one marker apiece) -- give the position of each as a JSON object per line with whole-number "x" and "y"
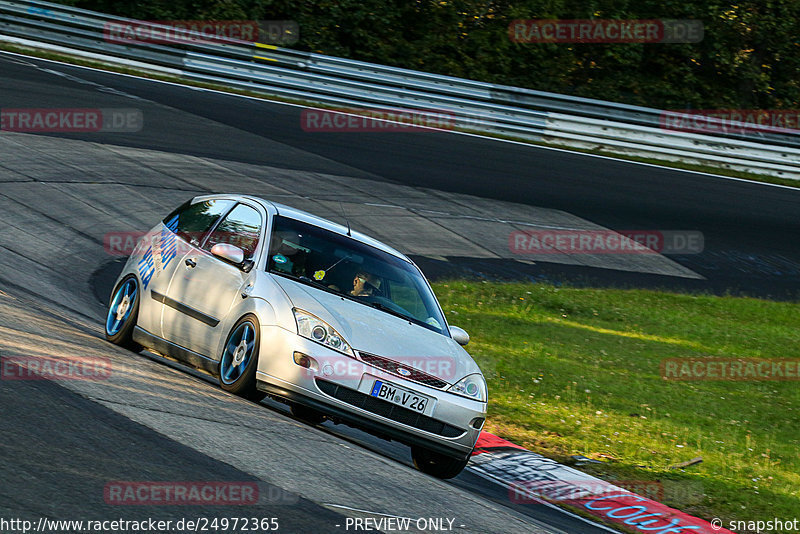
{"x": 531, "y": 477}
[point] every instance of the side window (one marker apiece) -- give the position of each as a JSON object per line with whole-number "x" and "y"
{"x": 192, "y": 221}
{"x": 242, "y": 227}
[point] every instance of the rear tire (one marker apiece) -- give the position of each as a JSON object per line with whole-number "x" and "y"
{"x": 436, "y": 464}
{"x": 123, "y": 311}
{"x": 239, "y": 360}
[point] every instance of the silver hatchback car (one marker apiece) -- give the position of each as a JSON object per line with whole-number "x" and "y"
{"x": 276, "y": 301}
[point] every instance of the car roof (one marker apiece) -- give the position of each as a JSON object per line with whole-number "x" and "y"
{"x": 304, "y": 216}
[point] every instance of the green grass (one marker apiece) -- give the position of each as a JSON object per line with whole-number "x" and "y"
{"x": 577, "y": 371}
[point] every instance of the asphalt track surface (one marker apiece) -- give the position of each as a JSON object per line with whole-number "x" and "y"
{"x": 750, "y": 230}
{"x": 65, "y": 441}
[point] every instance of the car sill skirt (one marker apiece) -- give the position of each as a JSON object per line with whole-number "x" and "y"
{"x": 197, "y": 360}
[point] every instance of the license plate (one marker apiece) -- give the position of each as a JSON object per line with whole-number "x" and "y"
{"x": 400, "y": 396}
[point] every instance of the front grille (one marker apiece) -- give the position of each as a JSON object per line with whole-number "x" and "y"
{"x": 392, "y": 366}
{"x": 388, "y": 410}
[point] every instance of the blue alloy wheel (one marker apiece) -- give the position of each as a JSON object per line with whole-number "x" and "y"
{"x": 237, "y": 367}
{"x": 122, "y": 314}
{"x": 121, "y": 306}
{"x": 238, "y": 353}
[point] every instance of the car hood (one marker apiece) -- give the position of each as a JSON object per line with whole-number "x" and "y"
{"x": 367, "y": 329}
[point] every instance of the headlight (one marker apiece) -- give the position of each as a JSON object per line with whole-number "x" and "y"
{"x": 315, "y": 329}
{"x": 471, "y": 386}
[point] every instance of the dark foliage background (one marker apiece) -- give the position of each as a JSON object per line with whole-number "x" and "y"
{"x": 749, "y": 57}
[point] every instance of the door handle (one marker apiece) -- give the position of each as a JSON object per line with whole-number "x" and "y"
{"x": 247, "y": 290}
{"x": 191, "y": 263}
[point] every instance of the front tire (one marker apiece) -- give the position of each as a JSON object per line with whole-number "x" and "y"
{"x": 237, "y": 366}
{"x": 436, "y": 464}
{"x": 123, "y": 311}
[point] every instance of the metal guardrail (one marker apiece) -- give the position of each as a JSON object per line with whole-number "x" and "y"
{"x": 473, "y": 105}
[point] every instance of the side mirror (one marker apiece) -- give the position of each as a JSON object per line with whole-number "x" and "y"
{"x": 229, "y": 253}
{"x": 459, "y": 335}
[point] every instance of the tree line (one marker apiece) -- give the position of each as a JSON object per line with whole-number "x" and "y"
{"x": 748, "y": 57}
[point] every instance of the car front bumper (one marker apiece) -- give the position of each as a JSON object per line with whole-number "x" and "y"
{"x": 339, "y": 386}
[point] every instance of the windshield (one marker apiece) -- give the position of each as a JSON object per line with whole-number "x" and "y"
{"x": 341, "y": 265}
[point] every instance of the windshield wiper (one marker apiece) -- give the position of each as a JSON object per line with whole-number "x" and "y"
{"x": 383, "y": 307}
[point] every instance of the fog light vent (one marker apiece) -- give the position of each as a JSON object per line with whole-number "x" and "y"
{"x": 304, "y": 360}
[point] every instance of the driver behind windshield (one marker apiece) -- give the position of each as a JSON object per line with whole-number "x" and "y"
{"x": 365, "y": 284}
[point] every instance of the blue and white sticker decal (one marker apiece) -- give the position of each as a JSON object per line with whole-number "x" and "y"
{"x": 147, "y": 267}
{"x": 279, "y": 259}
{"x": 169, "y": 242}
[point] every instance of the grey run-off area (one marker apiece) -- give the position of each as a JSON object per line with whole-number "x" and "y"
{"x": 69, "y": 202}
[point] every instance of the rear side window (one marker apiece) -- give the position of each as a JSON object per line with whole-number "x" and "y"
{"x": 242, "y": 227}
{"x": 192, "y": 221}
